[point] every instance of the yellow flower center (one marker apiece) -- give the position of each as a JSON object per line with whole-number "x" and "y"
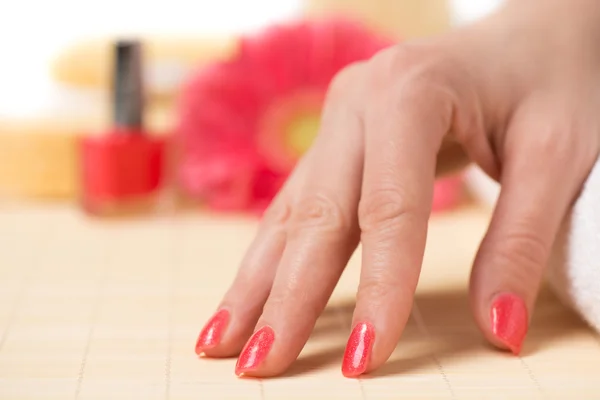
{"x": 288, "y": 129}
{"x": 302, "y": 130}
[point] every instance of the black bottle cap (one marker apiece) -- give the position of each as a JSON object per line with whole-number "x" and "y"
{"x": 128, "y": 87}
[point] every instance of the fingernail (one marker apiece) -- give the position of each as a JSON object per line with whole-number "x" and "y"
{"x": 211, "y": 334}
{"x": 256, "y": 350}
{"x": 358, "y": 350}
{"x": 509, "y": 321}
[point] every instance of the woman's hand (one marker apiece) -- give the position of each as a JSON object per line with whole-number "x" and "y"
{"x": 519, "y": 92}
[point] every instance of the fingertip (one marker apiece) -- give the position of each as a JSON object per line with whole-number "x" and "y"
{"x": 357, "y": 355}
{"x": 242, "y": 373}
{"x": 504, "y": 346}
{"x": 213, "y": 331}
{"x": 224, "y": 336}
{"x": 351, "y": 374}
{"x": 509, "y": 321}
{"x": 255, "y": 352}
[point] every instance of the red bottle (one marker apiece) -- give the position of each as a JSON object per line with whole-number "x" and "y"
{"x": 123, "y": 169}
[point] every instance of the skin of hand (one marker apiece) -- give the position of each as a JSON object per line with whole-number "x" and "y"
{"x": 517, "y": 93}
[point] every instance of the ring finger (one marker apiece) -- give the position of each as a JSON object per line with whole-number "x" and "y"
{"x": 231, "y": 325}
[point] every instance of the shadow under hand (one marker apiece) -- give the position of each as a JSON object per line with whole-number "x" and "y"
{"x": 441, "y": 329}
{"x": 316, "y": 361}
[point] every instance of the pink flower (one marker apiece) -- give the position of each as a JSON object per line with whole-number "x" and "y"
{"x": 245, "y": 122}
{"x": 448, "y": 193}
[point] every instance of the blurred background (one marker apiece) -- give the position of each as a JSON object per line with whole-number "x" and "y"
{"x": 57, "y": 90}
{"x": 34, "y": 32}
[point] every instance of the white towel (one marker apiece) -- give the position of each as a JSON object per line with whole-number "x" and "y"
{"x": 574, "y": 267}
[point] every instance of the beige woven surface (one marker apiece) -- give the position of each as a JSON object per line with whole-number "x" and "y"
{"x": 99, "y": 310}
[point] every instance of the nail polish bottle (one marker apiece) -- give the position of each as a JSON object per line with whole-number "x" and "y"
{"x": 122, "y": 169}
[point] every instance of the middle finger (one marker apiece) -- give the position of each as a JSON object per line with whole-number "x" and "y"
{"x": 404, "y": 129}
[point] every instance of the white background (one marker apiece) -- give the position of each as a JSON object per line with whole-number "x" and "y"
{"x": 33, "y": 31}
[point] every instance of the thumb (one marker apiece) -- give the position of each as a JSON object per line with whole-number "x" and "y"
{"x": 541, "y": 177}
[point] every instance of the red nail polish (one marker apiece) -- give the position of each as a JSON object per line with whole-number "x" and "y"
{"x": 256, "y": 350}
{"x": 123, "y": 168}
{"x": 510, "y": 321}
{"x": 211, "y": 334}
{"x": 358, "y": 350}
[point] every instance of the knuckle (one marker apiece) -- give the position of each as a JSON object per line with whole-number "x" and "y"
{"x": 345, "y": 91}
{"x": 278, "y": 213}
{"x": 563, "y": 144}
{"x": 424, "y": 94}
{"x": 409, "y": 58}
{"x": 378, "y": 288}
{"x": 410, "y": 62}
{"x": 555, "y": 145}
{"x": 292, "y": 298}
{"x": 344, "y": 80}
{"x": 276, "y": 301}
{"x": 398, "y": 58}
{"x": 413, "y": 74}
{"x": 523, "y": 249}
{"x": 385, "y": 209}
{"x": 422, "y": 87}
{"x": 553, "y": 138}
{"x": 319, "y": 212}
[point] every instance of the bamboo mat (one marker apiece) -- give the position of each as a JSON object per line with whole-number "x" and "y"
{"x": 111, "y": 310}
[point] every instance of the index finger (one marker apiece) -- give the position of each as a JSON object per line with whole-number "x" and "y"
{"x": 405, "y": 127}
